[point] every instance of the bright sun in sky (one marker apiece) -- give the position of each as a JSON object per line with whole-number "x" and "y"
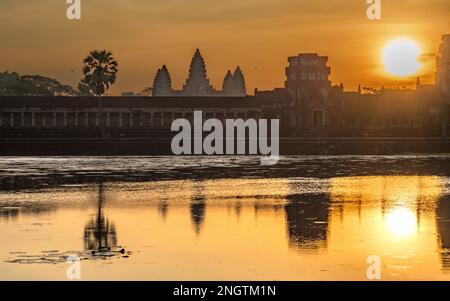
{"x": 400, "y": 57}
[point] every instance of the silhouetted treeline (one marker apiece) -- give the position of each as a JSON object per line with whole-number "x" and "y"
{"x": 12, "y": 84}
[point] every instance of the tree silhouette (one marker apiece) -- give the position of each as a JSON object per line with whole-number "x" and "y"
{"x": 99, "y": 72}
{"x": 12, "y": 84}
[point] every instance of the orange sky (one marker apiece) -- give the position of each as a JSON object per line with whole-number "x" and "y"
{"x": 259, "y": 35}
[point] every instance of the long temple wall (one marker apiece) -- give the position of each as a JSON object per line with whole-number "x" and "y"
{"x": 15, "y": 119}
{"x": 115, "y": 117}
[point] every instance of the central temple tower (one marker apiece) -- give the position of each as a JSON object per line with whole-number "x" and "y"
{"x": 197, "y": 83}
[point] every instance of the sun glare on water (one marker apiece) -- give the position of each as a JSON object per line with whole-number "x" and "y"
{"x": 401, "y": 222}
{"x": 400, "y": 57}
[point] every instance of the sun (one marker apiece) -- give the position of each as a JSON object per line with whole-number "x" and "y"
{"x": 400, "y": 57}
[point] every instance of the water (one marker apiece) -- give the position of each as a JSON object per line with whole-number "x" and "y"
{"x": 225, "y": 218}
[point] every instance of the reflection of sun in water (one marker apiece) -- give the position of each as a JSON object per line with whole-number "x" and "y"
{"x": 401, "y": 222}
{"x": 400, "y": 57}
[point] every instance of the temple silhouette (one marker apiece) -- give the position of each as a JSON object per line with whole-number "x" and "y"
{"x": 307, "y": 220}
{"x": 198, "y": 83}
{"x": 309, "y": 106}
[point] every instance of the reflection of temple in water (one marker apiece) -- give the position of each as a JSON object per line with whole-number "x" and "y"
{"x": 307, "y": 221}
{"x": 17, "y": 183}
{"x": 443, "y": 228}
{"x": 9, "y": 213}
{"x": 99, "y": 232}
{"x": 12, "y": 210}
{"x": 163, "y": 208}
{"x": 198, "y": 207}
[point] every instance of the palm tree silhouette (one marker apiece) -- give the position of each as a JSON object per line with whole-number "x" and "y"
{"x": 99, "y": 73}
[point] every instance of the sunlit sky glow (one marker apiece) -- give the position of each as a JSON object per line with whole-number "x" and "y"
{"x": 258, "y": 35}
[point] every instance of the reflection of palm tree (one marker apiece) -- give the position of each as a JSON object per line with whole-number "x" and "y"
{"x": 99, "y": 233}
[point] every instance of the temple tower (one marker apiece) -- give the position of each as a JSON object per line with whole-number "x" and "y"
{"x": 307, "y": 77}
{"x": 234, "y": 84}
{"x": 309, "y": 85}
{"x": 239, "y": 83}
{"x": 162, "y": 85}
{"x": 228, "y": 83}
{"x": 197, "y": 83}
{"x": 443, "y": 65}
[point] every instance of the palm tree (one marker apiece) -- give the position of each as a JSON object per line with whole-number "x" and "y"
{"x": 100, "y": 72}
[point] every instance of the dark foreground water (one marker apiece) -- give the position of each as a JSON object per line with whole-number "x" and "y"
{"x": 225, "y": 218}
